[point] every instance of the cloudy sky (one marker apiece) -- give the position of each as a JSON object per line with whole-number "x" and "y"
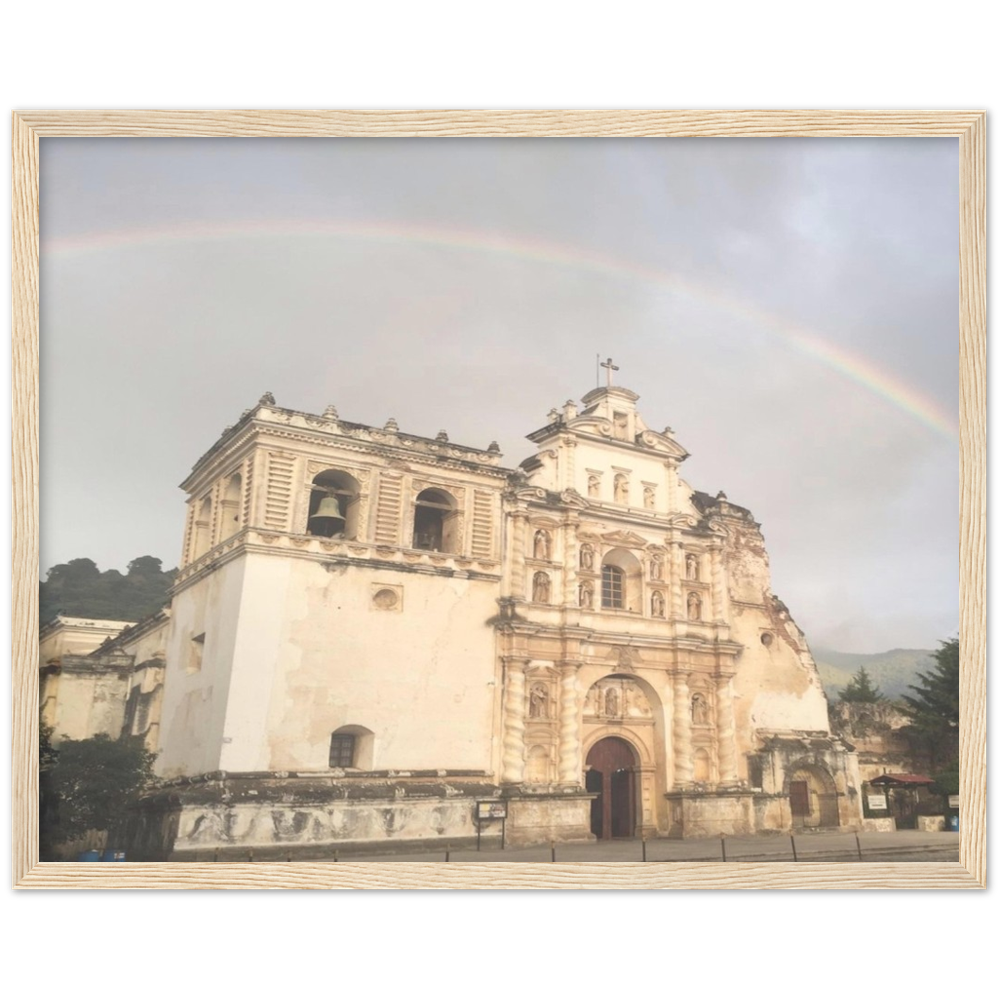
{"x": 788, "y": 306}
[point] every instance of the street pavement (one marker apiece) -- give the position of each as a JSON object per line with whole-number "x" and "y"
{"x": 903, "y": 845}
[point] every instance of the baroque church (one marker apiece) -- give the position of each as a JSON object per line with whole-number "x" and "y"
{"x": 377, "y": 639}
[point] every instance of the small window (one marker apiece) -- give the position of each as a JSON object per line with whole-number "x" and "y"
{"x": 612, "y": 587}
{"x": 342, "y": 750}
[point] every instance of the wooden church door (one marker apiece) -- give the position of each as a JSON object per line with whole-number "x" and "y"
{"x": 611, "y": 773}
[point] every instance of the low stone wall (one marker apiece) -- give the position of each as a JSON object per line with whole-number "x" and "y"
{"x": 539, "y": 819}
{"x": 301, "y": 815}
{"x": 883, "y": 824}
{"x": 930, "y": 823}
{"x": 709, "y": 813}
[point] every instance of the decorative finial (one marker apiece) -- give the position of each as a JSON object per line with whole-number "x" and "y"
{"x": 611, "y": 367}
{"x": 553, "y": 416}
{"x": 266, "y": 400}
{"x": 494, "y": 447}
{"x": 391, "y": 425}
{"x": 569, "y": 409}
{"x": 442, "y": 436}
{"x": 721, "y": 496}
{"x": 331, "y": 412}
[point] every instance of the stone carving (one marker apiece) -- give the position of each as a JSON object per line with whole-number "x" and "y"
{"x": 648, "y": 497}
{"x": 538, "y": 701}
{"x": 657, "y": 604}
{"x": 625, "y": 658}
{"x": 543, "y": 545}
{"x": 699, "y": 709}
{"x": 331, "y": 412}
{"x": 621, "y": 488}
{"x": 587, "y": 556}
{"x": 569, "y": 743}
{"x": 586, "y": 594}
{"x": 656, "y": 567}
{"x": 593, "y": 486}
{"x": 540, "y": 588}
{"x": 694, "y": 607}
{"x": 513, "y": 737}
{"x": 611, "y": 705}
{"x": 692, "y": 566}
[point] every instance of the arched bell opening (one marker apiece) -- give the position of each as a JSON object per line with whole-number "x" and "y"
{"x": 435, "y": 521}
{"x": 334, "y": 505}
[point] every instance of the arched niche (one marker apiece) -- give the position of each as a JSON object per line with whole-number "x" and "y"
{"x": 232, "y": 501}
{"x": 202, "y": 529}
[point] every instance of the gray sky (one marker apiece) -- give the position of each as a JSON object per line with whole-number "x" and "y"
{"x": 788, "y": 306}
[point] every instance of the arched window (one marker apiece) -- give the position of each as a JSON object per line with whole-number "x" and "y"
{"x": 231, "y": 502}
{"x": 435, "y": 522}
{"x": 203, "y": 528}
{"x": 612, "y": 587}
{"x": 334, "y": 505}
{"x": 352, "y": 747}
{"x": 621, "y": 581}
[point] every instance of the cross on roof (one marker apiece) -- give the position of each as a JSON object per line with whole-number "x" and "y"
{"x": 611, "y": 367}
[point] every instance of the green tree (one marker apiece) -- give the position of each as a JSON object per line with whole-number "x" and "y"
{"x": 860, "y": 689}
{"x": 933, "y": 710}
{"x": 94, "y": 781}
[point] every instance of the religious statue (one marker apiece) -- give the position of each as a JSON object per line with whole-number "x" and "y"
{"x": 586, "y": 594}
{"x": 694, "y": 607}
{"x": 657, "y": 604}
{"x": 611, "y": 702}
{"x": 593, "y": 486}
{"x": 656, "y": 568}
{"x": 621, "y": 488}
{"x": 648, "y": 497}
{"x": 692, "y": 566}
{"x": 538, "y": 702}
{"x": 699, "y": 709}
{"x": 542, "y": 545}
{"x": 540, "y": 588}
{"x": 586, "y": 556}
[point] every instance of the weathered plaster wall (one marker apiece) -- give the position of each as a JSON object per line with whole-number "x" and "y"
{"x": 85, "y": 699}
{"x": 315, "y": 652}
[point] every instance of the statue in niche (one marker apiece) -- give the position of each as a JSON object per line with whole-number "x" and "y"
{"x": 621, "y": 426}
{"x": 538, "y": 702}
{"x": 656, "y": 568}
{"x": 657, "y": 604}
{"x": 586, "y": 594}
{"x": 543, "y": 543}
{"x": 593, "y": 486}
{"x": 699, "y": 709}
{"x": 694, "y": 607}
{"x": 540, "y": 588}
{"x": 621, "y": 489}
{"x": 587, "y": 556}
{"x": 692, "y": 566}
{"x": 611, "y": 703}
{"x": 648, "y": 497}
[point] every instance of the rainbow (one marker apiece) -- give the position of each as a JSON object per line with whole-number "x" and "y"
{"x": 854, "y": 366}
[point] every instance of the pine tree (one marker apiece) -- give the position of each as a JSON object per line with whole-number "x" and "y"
{"x": 933, "y": 709}
{"x": 860, "y": 689}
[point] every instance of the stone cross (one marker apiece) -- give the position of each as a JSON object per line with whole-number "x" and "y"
{"x": 611, "y": 367}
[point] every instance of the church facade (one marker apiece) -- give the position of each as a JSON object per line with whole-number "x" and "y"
{"x": 382, "y": 639}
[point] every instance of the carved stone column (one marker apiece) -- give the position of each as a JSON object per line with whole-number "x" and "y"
{"x": 671, "y": 467}
{"x": 513, "y": 720}
{"x": 569, "y": 737}
{"x": 683, "y": 763}
{"x": 726, "y": 730}
{"x": 517, "y": 564}
{"x": 570, "y": 561}
{"x": 676, "y": 576}
{"x": 719, "y": 610}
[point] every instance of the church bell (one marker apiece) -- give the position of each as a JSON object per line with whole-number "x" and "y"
{"x": 327, "y": 520}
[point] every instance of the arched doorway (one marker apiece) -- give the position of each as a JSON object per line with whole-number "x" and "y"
{"x": 611, "y": 768}
{"x": 812, "y": 796}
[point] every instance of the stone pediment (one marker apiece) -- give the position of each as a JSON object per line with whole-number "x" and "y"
{"x": 627, "y": 539}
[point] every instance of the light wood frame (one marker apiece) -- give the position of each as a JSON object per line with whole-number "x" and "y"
{"x": 968, "y": 126}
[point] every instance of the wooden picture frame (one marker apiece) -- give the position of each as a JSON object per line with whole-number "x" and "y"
{"x": 967, "y": 126}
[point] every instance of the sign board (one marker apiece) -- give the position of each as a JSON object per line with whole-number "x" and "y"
{"x": 492, "y": 810}
{"x": 876, "y": 802}
{"x": 952, "y": 801}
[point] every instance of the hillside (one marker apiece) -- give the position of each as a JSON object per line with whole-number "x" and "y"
{"x": 893, "y": 671}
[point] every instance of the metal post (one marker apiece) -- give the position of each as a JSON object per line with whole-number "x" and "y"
{"x": 552, "y": 844}
{"x": 335, "y": 858}
{"x": 251, "y": 854}
{"x": 447, "y": 853}
{"x": 479, "y": 831}
{"x": 643, "y": 848}
{"x": 216, "y": 854}
{"x": 795, "y": 854}
{"x": 857, "y": 840}
{"x": 722, "y": 840}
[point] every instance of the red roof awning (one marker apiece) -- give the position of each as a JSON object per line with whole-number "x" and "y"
{"x": 902, "y": 779}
